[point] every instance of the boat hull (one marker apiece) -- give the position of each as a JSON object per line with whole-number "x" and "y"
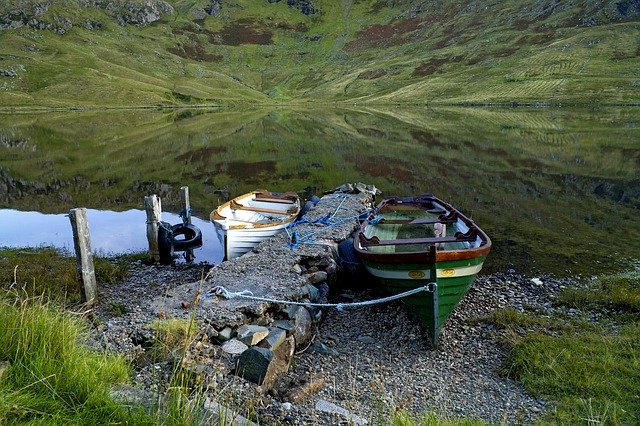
{"x": 449, "y": 280}
{"x": 240, "y": 241}
{"x": 249, "y": 219}
{"x": 412, "y": 242}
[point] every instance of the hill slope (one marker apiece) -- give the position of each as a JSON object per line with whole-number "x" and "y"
{"x": 87, "y": 53}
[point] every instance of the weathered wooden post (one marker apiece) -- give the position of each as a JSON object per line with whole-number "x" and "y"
{"x": 153, "y": 207}
{"x": 186, "y": 216}
{"x": 84, "y": 257}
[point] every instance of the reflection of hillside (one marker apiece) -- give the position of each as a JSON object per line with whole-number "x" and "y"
{"x": 552, "y": 187}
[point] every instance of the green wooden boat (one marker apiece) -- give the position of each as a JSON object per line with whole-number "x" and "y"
{"x": 413, "y": 242}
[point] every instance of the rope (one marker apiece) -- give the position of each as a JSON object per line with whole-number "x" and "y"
{"x": 246, "y": 294}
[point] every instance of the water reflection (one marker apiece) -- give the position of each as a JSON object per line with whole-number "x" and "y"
{"x": 112, "y": 233}
{"x": 552, "y": 187}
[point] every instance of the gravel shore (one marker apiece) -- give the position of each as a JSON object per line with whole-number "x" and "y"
{"x": 363, "y": 360}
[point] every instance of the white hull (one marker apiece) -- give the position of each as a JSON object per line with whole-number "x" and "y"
{"x": 244, "y": 222}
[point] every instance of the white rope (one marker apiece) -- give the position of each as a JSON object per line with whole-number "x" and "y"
{"x": 246, "y": 294}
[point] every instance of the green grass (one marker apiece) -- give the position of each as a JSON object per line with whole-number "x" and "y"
{"x": 51, "y": 378}
{"x": 367, "y": 52}
{"x": 48, "y": 272}
{"x": 401, "y": 418}
{"x": 591, "y": 374}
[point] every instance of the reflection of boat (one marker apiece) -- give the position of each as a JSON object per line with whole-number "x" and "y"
{"x": 251, "y": 218}
{"x": 422, "y": 241}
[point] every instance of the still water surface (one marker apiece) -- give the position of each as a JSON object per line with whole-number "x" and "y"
{"x": 558, "y": 190}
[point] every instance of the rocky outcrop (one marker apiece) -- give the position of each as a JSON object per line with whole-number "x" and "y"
{"x": 37, "y": 15}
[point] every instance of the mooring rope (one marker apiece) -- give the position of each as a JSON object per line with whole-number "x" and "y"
{"x": 247, "y": 294}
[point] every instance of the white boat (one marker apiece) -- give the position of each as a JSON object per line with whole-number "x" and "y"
{"x": 247, "y": 220}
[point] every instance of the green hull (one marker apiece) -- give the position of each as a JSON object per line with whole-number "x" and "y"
{"x": 434, "y": 307}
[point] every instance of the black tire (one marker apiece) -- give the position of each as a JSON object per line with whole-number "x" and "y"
{"x": 165, "y": 242}
{"x": 192, "y": 237}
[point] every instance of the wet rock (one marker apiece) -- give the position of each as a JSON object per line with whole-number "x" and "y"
{"x": 252, "y": 334}
{"x": 234, "y": 347}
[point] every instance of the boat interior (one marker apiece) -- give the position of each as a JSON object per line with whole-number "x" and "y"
{"x": 415, "y": 226}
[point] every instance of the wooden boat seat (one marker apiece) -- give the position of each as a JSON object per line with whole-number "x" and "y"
{"x": 444, "y": 219}
{"x": 470, "y": 236}
{"x": 273, "y": 199}
{"x": 237, "y": 206}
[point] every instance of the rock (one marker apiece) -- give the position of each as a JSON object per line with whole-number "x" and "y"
{"x": 329, "y": 407}
{"x": 321, "y": 348}
{"x": 366, "y": 339}
{"x": 274, "y": 339}
{"x": 214, "y": 8}
{"x": 302, "y": 327}
{"x": 317, "y": 277}
{"x": 225, "y": 334}
{"x": 314, "y": 293}
{"x": 287, "y": 406}
{"x": 212, "y": 333}
{"x": 296, "y": 269}
{"x": 234, "y": 347}
{"x": 536, "y": 281}
{"x": 252, "y": 334}
{"x": 133, "y": 397}
{"x": 253, "y": 364}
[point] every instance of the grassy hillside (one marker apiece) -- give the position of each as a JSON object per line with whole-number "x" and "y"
{"x": 77, "y": 53}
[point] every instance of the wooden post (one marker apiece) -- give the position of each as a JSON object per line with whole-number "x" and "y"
{"x": 186, "y": 207}
{"x": 186, "y": 210}
{"x": 84, "y": 257}
{"x": 153, "y": 207}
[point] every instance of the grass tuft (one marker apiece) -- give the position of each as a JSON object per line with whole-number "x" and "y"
{"x": 50, "y": 376}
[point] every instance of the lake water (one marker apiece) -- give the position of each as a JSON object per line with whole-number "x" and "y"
{"x": 558, "y": 190}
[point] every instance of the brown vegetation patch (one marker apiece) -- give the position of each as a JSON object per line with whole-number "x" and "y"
{"x": 196, "y": 52}
{"x": 202, "y": 155}
{"x": 372, "y": 74}
{"x": 388, "y": 167}
{"x": 243, "y": 31}
{"x": 428, "y": 139}
{"x": 248, "y": 172}
{"x": 433, "y": 65}
{"x": 538, "y": 38}
{"x": 377, "y": 35}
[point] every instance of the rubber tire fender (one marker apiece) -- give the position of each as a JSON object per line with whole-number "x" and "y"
{"x": 192, "y": 237}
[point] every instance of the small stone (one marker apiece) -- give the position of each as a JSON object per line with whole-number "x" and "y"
{"x": 4, "y": 365}
{"x": 225, "y": 334}
{"x": 252, "y": 334}
{"x": 536, "y": 281}
{"x": 329, "y": 407}
{"x": 302, "y": 327}
{"x": 296, "y": 269}
{"x": 287, "y": 406}
{"x": 366, "y": 339}
{"x": 234, "y": 347}
{"x": 317, "y": 277}
{"x": 321, "y": 348}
